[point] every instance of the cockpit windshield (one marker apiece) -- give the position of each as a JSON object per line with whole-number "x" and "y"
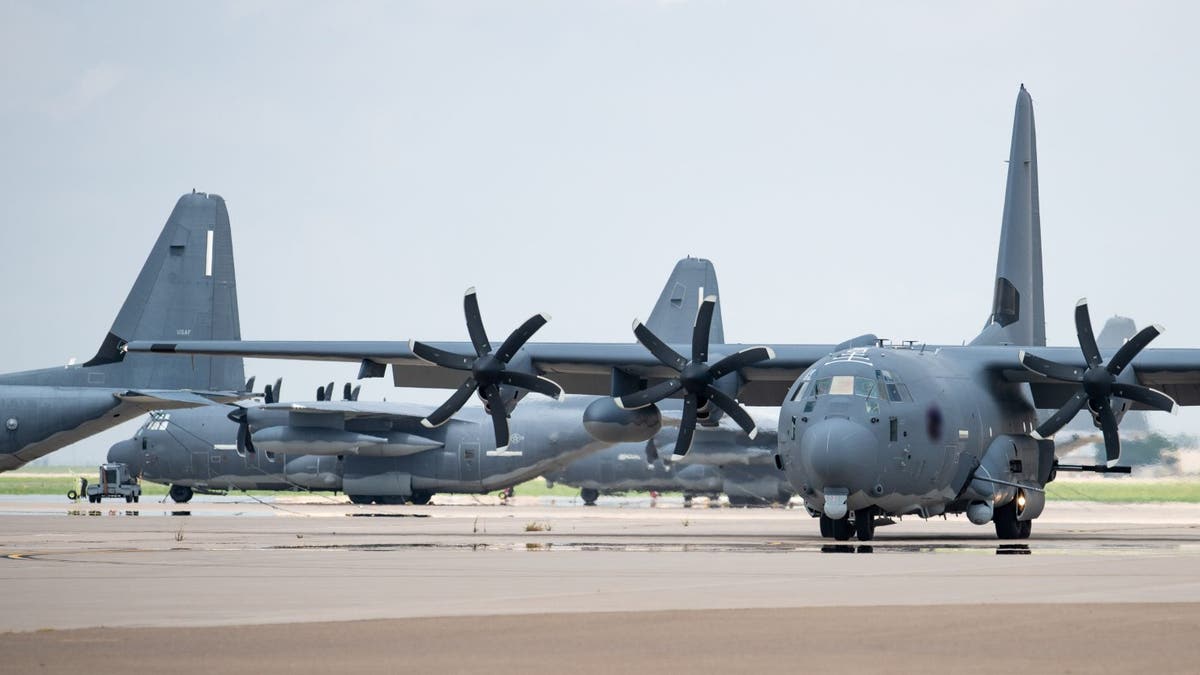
{"x": 885, "y": 385}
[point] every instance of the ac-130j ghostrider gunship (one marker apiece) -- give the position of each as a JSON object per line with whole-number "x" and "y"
{"x": 865, "y": 431}
{"x": 186, "y": 287}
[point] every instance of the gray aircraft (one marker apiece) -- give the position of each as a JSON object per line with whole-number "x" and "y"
{"x": 865, "y": 432}
{"x": 720, "y": 459}
{"x": 186, "y": 288}
{"x": 374, "y": 452}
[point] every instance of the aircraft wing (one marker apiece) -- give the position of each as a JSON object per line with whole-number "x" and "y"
{"x": 352, "y": 409}
{"x": 579, "y": 367}
{"x": 179, "y": 398}
{"x": 1173, "y": 371}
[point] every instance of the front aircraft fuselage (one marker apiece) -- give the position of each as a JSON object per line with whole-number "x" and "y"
{"x": 903, "y": 429}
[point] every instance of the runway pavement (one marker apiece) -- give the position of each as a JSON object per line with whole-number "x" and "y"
{"x": 1096, "y": 587}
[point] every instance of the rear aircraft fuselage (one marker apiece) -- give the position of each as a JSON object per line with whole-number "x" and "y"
{"x": 904, "y": 430}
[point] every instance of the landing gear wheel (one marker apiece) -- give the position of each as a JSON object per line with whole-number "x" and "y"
{"x": 687, "y": 501}
{"x": 359, "y": 499}
{"x": 390, "y": 500}
{"x": 826, "y": 526}
{"x": 1007, "y": 525}
{"x": 589, "y": 496}
{"x": 136, "y": 498}
{"x": 842, "y": 529}
{"x": 128, "y": 499}
{"x": 864, "y": 523}
{"x": 180, "y": 494}
{"x": 72, "y": 495}
{"x": 421, "y": 498}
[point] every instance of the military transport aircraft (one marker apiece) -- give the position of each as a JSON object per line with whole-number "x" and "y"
{"x": 373, "y": 451}
{"x": 721, "y": 460}
{"x": 864, "y": 432}
{"x": 186, "y": 288}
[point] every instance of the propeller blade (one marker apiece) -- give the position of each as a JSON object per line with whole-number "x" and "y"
{"x": 734, "y": 409}
{"x": 520, "y": 336}
{"x": 452, "y": 405}
{"x": 268, "y": 394}
{"x": 347, "y": 394}
{"x": 495, "y": 406}
{"x": 1146, "y": 396}
{"x": 355, "y": 392}
{"x": 1059, "y": 419}
{"x": 320, "y": 393}
{"x": 250, "y": 383}
{"x": 643, "y": 398}
{"x": 1083, "y": 329}
{"x": 700, "y": 331}
{"x": 1108, "y": 425}
{"x": 479, "y": 336}
{"x": 244, "y": 444}
{"x": 440, "y": 357}
{"x": 329, "y": 392}
{"x": 740, "y": 360}
{"x": 1051, "y": 369}
{"x": 1131, "y": 348}
{"x": 669, "y": 357}
{"x": 687, "y": 427}
{"x": 651, "y": 452}
{"x": 542, "y": 385}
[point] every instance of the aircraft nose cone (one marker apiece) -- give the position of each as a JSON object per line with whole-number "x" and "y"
{"x": 124, "y": 452}
{"x": 838, "y": 453}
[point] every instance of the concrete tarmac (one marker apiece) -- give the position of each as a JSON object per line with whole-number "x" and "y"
{"x": 1098, "y": 588}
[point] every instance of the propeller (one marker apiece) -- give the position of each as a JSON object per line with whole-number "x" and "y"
{"x": 238, "y": 416}
{"x": 271, "y": 394}
{"x": 696, "y": 378}
{"x": 1098, "y": 382}
{"x": 349, "y": 394}
{"x": 325, "y": 393}
{"x": 488, "y": 368}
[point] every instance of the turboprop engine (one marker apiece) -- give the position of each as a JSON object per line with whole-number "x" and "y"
{"x": 608, "y": 422}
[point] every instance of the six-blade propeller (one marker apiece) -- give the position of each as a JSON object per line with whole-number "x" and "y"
{"x": 696, "y": 379}
{"x": 489, "y": 370}
{"x": 1098, "y": 382}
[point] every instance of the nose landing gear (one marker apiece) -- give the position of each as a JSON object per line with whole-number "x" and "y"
{"x": 841, "y": 529}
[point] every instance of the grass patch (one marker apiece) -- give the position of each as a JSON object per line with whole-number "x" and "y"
{"x": 1123, "y": 491}
{"x": 537, "y": 527}
{"x": 537, "y": 488}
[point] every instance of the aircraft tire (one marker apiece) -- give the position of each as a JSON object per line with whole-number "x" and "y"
{"x": 391, "y": 500}
{"x": 181, "y": 494}
{"x": 826, "y": 526}
{"x": 864, "y": 523}
{"x": 1007, "y": 525}
{"x": 1026, "y": 529}
{"x": 359, "y": 499}
{"x": 589, "y": 496}
{"x": 420, "y": 497}
{"x": 128, "y": 499}
{"x": 842, "y": 529}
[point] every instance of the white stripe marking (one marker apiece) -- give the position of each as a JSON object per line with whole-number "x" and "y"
{"x": 208, "y": 255}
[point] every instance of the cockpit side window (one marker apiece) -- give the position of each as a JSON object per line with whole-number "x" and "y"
{"x": 892, "y": 387}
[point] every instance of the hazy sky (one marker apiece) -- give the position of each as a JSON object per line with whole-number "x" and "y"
{"x": 841, "y": 163}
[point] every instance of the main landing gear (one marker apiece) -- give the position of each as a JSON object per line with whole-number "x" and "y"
{"x": 1007, "y": 525}
{"x": 180, "y": 494}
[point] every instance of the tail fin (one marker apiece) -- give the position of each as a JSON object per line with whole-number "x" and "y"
{"x": 186, "y": 288}
{"x": 1018, "y": 310}
{"x": 675, "y": 312}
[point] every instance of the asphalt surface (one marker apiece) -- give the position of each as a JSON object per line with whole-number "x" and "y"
{"x": 541, "y": 586}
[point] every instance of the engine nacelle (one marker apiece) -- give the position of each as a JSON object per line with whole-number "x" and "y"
{"x": 608, "y": 423}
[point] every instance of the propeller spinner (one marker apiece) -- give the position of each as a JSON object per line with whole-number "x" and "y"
{"x": 1098, "y": 382}
{"x": 489, "y": 370}
{"x": 696, "y": 378}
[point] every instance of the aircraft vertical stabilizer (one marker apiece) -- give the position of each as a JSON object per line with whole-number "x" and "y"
{"x": 187, "y": 287}
{"x": 1018, "y": 312}
{"x": 674, "y": 314}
